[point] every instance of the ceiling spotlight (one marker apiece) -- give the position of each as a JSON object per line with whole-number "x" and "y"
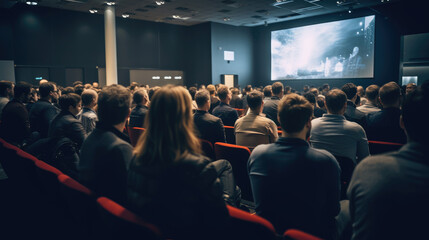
{"x": 31, "y": 3}
{"x": 159, "y": 3}
{"x": 111, "y": 3}
{"x": 125, "y": 15}
{"x": 93, "y": 10}
{"x": 226, "y": 19}
{"x": 350, "y": 10}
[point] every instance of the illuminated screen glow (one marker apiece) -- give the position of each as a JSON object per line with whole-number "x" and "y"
{"x": 341, "y": 49}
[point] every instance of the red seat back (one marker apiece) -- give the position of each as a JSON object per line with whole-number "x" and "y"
{"x": 48, "y": 178}
{"x": 229, "y": 134}
{"x": 120, "y": 223}
{"x": 377, "y": 147}
{"x": 238, "y": 157}
{"x": 134, "y": 133}
{"x": 293, "y": 234}
{"x": 207, "y": 148}
{"x": 247, "y": 226}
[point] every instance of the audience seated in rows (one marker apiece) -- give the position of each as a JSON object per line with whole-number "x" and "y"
{"x": 170, "y": 183}
{"x": 106, "y": 153}
{"x": 254, "y": 129}
{"x": 44, "y": 111}
{"x": 371, "y": 104}
{"x": 214, "y": 101}
{"x": 384, "y": 125}
{"x": 207, "y": 126}
{"x": 236, "y": 101}
{"x": 389, "y": 193}
{"x": 351, "y": 113}
{"x": 224, "y": 111}
{"x": 6, "y": 93}
{"x": 267, "y": 93}
{"x": 15, "y": 124}
{"x": 88, "y": 116}
{"x": 361, "y": 98}
{"x": 293, "y": 184}
{"x": 138, "y": 114}
{"x": 270, "y": 106}
{"x": 66, "y": 124}
{"x": 318, "y": 112}
{"x": 337, "y": 135}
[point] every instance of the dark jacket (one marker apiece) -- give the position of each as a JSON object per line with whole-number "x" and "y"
{"x": 225, "y": 112}
{"x": 209, "y": 127}
{"x": 183, "y": 198}
{"x": 65, "y": 124}
{"x": 236, "y": 102}
{"x": 104, "y": 159}
{"x": 384, "y": 126}
{"x": 41, "y": 115}
{"x": 14, "y": 124}
{"x": 354, "y": 115}
{"x": 270, "y": 109}
{"x": 137, "y": 116}
{"x": 214, "y": 102}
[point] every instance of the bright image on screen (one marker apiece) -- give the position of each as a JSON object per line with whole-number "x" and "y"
{"x": 341, "y": 49}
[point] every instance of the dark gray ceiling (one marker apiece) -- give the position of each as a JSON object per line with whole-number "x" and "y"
{"x": 233, "y": 12}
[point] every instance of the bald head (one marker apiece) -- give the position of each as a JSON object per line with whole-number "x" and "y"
{"x": 89, "y": 98}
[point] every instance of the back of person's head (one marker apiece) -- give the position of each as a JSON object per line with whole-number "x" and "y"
{"x": 415, "y": 124}
{"x": 360, "y": 91}
{"x": 211, "y": 88}
{"x": 22, "y": 89}
{"x": 248, "y": 88}
{"x": 88, "y": 97}
{"x": 350, "y": 90}
{"x": 68, "y": 100}
{"x": 4, "y": 86}
{"x": 202, "y": 97}
{"x": 325, "y": 86}
{"x": 152, "y": 91}
{"x": 314, "y": 91}
{"x": 335, "y": 100}
{"x": 320, "y": 99}
{"x": 390, "y": 94}
{"x": 67, "y": 90}
{"x": 46, "y": 88}
{"x": 77, "y": 83}
{"x": 139, "y": 96}
{"x": 371, "y": 92}
{"x": 223, "y": 92}
{"x": 310, "y": 97}
{"x": 254, "y": 99}
{"x": 169, "y": 134}
{"x": 192, "y": 91}
{"x": 114, "y": 104}
{"x": 306, "y": 88}
{"x": 294, "y": 112}
{"x": 268, "y": 91}
{"x": 287, "y": 89}
{"x": 235, "y": 91}
{"x": 277, "y": 88}
{"x": 88, "y": 86}
{"x": 78, "y": 89}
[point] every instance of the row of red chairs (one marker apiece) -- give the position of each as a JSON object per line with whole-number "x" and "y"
{"x": 98, "y": 216}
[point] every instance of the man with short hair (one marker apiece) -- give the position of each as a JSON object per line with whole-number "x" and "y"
{"x": 88, "y": 116}
{"x": 236, "y": 101}
{"x": 106, "y": 153}
{"x": 14, "y": 122}
{"x": 224, "y": 111}
{"x": 6, "y": 93}
{"x": 389, "y": 192}
{"x": 360, "y": 96}
{"x": 384, "y": 125}
{"x": 351, "y": 113}
{"x": 371, "y": 104}
{"x": 138, "y": 114}
{"x": 270, "y": 106}
{"x": 337, "y": 135}
{"x": 293, "y": 184}
{"x": 44, "y": 111}
{"x": 254, "y": 129}
{"x": 214, "y": 101}
{"x": 267, "y": 93}
{"x": 318, "y": 112}
{"x": 208, "y": 127}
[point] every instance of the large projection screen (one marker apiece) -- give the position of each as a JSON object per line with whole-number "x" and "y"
{"x": 340, "y": 49}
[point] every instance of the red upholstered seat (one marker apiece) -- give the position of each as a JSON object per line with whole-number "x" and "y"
{"x": 293, "y": 234}
{"x": 229, "y": 134}
{"x": 238, "y": 157}
{"x": 248, "y": 226}
{"x": 377, "y": 147}
{"x": 134, "y": 133}
{"x": 120, "y": 223}
{"x": 207, "y": 148}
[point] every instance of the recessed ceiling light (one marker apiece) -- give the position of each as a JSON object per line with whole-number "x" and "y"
{"x": 159, "y": 3}
{"x": 93, "y": 10}
{"x": 32, "y": 3}
{"x": 226, "y": 19}
{"x": 125, "y": 15}
{"x": 111, "y": 3}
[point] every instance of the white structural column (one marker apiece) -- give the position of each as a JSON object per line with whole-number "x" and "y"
{"x": 110, "y": 39}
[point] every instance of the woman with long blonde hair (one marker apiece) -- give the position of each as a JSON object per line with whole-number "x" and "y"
{"x": 169, "y": 182}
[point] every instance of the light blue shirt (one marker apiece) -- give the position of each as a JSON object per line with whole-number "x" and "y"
{"x": 339, "y": 136}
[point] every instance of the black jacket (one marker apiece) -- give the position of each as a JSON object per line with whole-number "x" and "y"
{"x": 65, "y": 124}
{"x": 183, "y": 198}
{"x": 209, "y": 127}
{"x": 41, "y": 115}
{"x": 270, "y": 109}
{"x": 384, "y": 126}
{"x": 354, "y": 115}
{"x": 137, "y": 116}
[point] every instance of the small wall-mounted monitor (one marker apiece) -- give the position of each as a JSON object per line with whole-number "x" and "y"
{"x": 409, "y": 79}
{"x": 228, "y": 55}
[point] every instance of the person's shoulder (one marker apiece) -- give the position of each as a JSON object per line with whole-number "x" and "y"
{"x": 263, "y": 149}
{"x": 323, "y": 155}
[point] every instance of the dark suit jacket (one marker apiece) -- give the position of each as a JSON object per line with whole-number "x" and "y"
{"x": 209, "y": 127}
{"x": 354, "y": 115}
{"x": 225, "y": 112}
{"x": 14, "y": 125}
{"x": 384, "y": 126}
{"x": 236, "y": 102}
{"x": 41, "y": 115}
{"x": 67, "y": 125}
{"x": 137, "y": 116}
{"x": 270, "y": 109}
{"x": 104, "y": 160}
